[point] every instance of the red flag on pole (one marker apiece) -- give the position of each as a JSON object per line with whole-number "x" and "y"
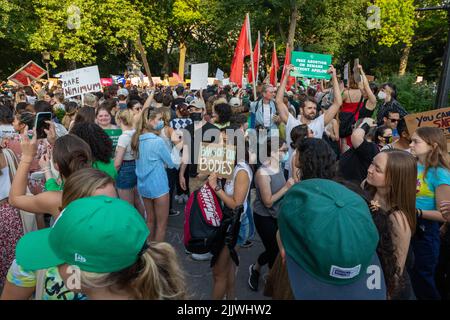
{"x": 256, "y": 57}
{"x": 274, "y": 68}
{"x": 242, "y": 50}
{"x": 287, "y": 61}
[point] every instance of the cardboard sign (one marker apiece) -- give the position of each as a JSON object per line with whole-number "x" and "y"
{"x": 199, "y": 76}
{"x": 80, "y": 81}
{"x": 30, "y": 71}
{"x": 216, "y": 158}
{"x": 114, "y": 135}
{"x": 106, "y": 82}
{"x": 310, "y": 65}
{"x": 439, "y": 118}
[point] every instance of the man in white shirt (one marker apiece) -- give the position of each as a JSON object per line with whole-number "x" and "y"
{"x": 308, "y": 111}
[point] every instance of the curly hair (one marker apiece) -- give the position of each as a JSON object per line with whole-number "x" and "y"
{"x": 316, "y": 159}
{"x": 96, "y": 138}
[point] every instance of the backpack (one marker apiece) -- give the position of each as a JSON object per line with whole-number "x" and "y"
{"x": 202, "y": 219}
{"x": 347, "y": 120}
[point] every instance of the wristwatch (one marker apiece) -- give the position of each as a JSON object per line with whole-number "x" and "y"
{"x": 217, "y": 188}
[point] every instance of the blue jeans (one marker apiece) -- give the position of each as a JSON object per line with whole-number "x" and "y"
{"x": 425, "y": 243}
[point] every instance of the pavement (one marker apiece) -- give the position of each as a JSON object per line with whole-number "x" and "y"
{"x": 199, "y": 274}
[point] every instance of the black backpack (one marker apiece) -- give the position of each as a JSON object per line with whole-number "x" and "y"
{"x": 347, "y": 120}
{"x": 202, "y": 220}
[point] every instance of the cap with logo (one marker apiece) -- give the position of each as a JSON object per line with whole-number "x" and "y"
{"x": 330, "y": 241}
{"x": 98, "y": 234}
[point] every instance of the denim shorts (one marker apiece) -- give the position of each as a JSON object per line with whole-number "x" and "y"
{"x": 126, "y": 178}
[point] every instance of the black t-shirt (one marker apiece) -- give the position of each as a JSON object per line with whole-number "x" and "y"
{"x": 354, "y": 163}
{"x": 192, "y": 167}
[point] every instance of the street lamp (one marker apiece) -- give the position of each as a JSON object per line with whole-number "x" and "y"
{"x": 46, "y": 60}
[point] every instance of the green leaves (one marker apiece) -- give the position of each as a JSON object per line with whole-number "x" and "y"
{"x": 398, "y": 21}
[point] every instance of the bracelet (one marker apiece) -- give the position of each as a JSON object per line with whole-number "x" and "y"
{"x": 419, "y": 213}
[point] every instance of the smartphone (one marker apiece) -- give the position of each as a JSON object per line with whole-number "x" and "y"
{"x": 41, "y": 124}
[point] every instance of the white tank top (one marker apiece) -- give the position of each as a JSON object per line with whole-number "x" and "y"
{"x": 5, "y": 183}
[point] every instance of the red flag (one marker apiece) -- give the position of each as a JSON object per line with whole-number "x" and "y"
{"x": 242, "y": 50}
{"x": 256, "y": 57}
{"x": 287, "y": 61}
{"x": 274, "y": 68}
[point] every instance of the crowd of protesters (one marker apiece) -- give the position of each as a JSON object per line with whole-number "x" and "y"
{"x": 347, "y": 202}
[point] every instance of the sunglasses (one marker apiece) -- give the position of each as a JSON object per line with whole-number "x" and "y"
{"x": 394, "y": 120}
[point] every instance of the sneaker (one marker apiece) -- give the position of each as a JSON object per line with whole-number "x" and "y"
{"x": 187, "y": 251}
{"x": 253, "y": 278}
{"x": 201, "y": 257}
{"x": 173, "y": 213}
{"x": 246, "y": 244}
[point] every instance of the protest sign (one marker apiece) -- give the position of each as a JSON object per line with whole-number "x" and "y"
{"x": 310, "y": 65}
{"x": 439, "y": 118}
{"x": 80, "y": 81}
{"x": 219, "y": 74}
{"x": 114, "y": 135}
{"x": 217, "y": 158}
{"x": 226, "y": 81}
{"x": 106, "y": 82}
{"x": 30, "y": 71}
{"x": 118, "y": 79}
{"x": 199, "y": 76}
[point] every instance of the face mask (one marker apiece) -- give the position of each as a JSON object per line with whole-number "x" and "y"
{"x": 196, "y": 116}
{"x": 381, "y": 95}
{"x": 160, "y": 125}
{"x": 285, "y": 158}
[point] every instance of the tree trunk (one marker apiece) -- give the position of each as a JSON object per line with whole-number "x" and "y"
{"x": 166, "y": 60}
{"x": 404, "y": 59}
{"x": 293, "y": 24}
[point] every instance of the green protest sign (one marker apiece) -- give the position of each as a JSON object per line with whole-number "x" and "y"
{"x": 310, "y": 65}
{"x": 114, "y": 135}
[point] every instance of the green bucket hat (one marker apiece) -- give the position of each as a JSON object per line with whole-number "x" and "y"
{"x": 330, "y": 242}
{"x": 98, "y": 234}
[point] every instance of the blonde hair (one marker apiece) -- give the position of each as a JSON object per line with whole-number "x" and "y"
{"x": 166, "y": 115}
{"x": 126, "y": 117}
{"x": 142, "y": 126}
{"x": 83, "y": 183}
{"x": 156, "y": 275}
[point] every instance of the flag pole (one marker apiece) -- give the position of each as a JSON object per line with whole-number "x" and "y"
{"x": 259, "y": 55}
{"x": 276, "y": 71}
{"x": 251, "y": 55}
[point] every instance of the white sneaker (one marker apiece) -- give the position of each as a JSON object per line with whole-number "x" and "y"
{"x": 201, "y": 257}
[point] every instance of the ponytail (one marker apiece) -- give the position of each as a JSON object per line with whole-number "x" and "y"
{"x": 156, "y": 275}
{"x": 142, "y": 127}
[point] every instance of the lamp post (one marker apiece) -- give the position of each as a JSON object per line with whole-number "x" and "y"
{"x": 46, "y": 60}
{"x": 444, "y": 83}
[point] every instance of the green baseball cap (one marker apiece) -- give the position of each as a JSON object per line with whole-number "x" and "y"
{"x": 98, "y": 234}
{"x": 330, "y": 241}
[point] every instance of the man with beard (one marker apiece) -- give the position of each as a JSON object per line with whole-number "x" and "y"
{"x": 308, "y": 108}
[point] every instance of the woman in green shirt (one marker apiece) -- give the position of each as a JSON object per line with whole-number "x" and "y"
{"x": 101, "y": 146}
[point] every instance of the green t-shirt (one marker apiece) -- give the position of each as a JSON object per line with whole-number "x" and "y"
{"x": 114, "y": 135}
{"x": 52, "y": 185}
{"x": 107, "y": 168}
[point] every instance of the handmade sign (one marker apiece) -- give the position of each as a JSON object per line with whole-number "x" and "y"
{"x": 439, "y": 118}
{"x": 216, "y": 158}
{"x": 310, "y": 65}
{"x": 80, "y": 81}
{"x": 199, "y": 76}
{"x": 30, "y": 71}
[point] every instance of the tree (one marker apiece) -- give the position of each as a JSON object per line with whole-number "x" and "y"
{"x": 398, "y": 21}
